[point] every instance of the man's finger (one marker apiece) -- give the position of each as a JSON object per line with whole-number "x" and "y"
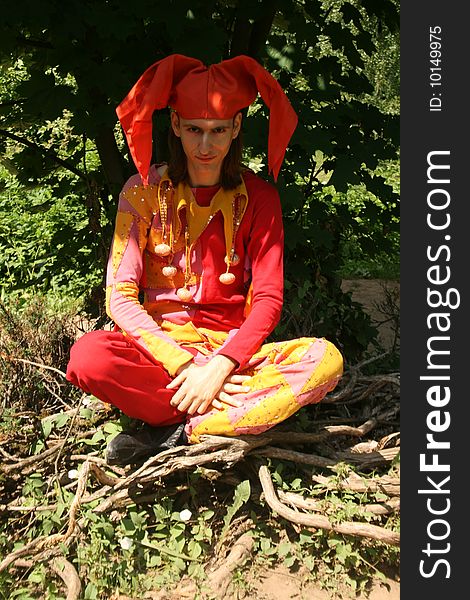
{"x": 181, "y": 398}
{"x": 177, "y": 398}
{"x": 192, "y": 408}
{"x": 229, "y": 400}
{"x": 234, "y": 388}
{"x": 177, "y": 381}
{"x": 237, "y": 378}
{"x": 202, "y": 408}
{"x": 186, "y": 403}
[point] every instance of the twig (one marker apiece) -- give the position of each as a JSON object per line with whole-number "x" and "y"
{"x": 67, "y": 406}
{"x": 44, "y": 151}
{"x": 5, "y": 454}
{"x": 35, "y": 364}
{"x": 47, "y": 541}
{"x": 67, "y": 435}
{"x": 103, "y": 477}
{"x": 97, "y": 460}
{"x": 368, "y": 361}
{"x": 370, "y": 459}
{"x": 384, "y": 508}
{"x": 343, "y": 393}
{"x": 320, "y": 522}
{"x": 293, "y": 437}
{"x": 220, "y": 578}
{"x": 211, "y": 449}
{"x": 63, "y": 568}
{"x": 386, "y": 484}
{"x": 26, "y": 509}
{"x": 67, "y": 572}
{"x": 298, "y": 457}
{"x": 30, "y": 460}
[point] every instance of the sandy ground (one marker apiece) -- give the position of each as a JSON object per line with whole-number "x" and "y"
{"x": 280, "y": 584}
{"x": 373, "y": 295}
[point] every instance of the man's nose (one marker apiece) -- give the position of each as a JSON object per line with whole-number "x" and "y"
{"x": 205, "y": 143}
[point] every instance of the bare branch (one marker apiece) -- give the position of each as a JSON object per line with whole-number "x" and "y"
{"x": 44, "y": 152}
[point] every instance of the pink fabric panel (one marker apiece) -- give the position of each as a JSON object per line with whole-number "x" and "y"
{"x": 135, "y": 318}
{"x": 298, "y": 374}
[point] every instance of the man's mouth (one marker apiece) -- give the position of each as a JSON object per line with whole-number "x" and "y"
{"x": 205, "y": 158}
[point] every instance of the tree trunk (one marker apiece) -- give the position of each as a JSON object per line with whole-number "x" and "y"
{"x": 112, "y": 161}
{"x": 250, "y": 38}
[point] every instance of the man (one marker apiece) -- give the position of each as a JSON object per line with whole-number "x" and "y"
{"x": 202, "y": 239}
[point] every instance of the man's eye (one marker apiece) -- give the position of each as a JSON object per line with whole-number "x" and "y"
{"x": 219, "y": 130}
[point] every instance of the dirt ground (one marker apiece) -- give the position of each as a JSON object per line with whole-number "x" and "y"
{"x": 381, "y": 300}
{"x": 280, "y": 584}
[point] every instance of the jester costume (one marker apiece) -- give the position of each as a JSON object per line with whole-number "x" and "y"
{"x": 195, "y": 272}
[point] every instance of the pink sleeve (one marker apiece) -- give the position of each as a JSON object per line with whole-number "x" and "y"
{"x": 265, "y": 249}
{"x": 137, "y": 206}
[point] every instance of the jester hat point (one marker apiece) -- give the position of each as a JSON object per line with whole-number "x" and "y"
{"x": 195, "y": 91}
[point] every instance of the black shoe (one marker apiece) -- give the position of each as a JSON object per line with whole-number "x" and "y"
{"x": 132, "y": 447}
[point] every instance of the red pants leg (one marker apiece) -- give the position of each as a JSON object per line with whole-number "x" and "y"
{"x": 108, "y": 366}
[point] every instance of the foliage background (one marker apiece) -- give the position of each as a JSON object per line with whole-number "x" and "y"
{"x": 64, "y": 159}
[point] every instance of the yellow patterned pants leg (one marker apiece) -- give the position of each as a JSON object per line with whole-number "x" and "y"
{"x": 284, "y": 376}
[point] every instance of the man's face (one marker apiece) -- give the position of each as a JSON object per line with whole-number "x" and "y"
{"x": 205, "y": 142}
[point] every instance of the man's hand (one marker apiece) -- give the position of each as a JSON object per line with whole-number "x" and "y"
{"x": 199, "y": 387}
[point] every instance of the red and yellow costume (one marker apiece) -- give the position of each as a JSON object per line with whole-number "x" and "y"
{"x": 192, "y": 273}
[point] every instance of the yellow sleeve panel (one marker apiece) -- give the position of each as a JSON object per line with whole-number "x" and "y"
{"x": 169, "y": 354}
{"x": 122, "y": 233}
{"x": 162, "y": 347}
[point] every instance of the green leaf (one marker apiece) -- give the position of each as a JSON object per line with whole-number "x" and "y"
{"x": 86, "y": 413}
{"x": 91, "y": 591}
{"x": 283, "y": 549}
{"x": 46, "y": 428}
{"x": 61, "y": 419}
{"x": 194, "y": 549}
{"x": 98, "y": 437}
{"x": 289, "y": 561}
{"x": 165, "y": 550}
{"x": 137, "y": 519}
{"x": 241, "y": 495}
{"x": 127, "y": 525}
{"x": 35, "y": 577}
{"x": 112, "y": 428}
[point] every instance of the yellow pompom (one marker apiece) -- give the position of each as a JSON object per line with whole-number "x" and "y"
{"x": 184, "y": 294}
{"x": 227, "y": 278}
{"x": 169, "y": 271}
{"x": 162, "y": 250}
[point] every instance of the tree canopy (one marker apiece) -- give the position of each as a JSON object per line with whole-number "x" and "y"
{"x": 66, "y": 67}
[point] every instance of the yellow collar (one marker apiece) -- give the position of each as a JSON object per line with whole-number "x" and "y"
{"x": 231, "y": 203}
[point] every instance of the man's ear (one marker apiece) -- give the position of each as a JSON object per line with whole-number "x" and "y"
{"x": 175, "y": 123}
{"x": 237, "y": 124}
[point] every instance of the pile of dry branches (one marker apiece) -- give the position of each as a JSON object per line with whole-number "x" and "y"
{"x": 357, "y": 426}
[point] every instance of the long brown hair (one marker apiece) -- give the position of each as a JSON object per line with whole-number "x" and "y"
{"x": 230, "y": 176}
